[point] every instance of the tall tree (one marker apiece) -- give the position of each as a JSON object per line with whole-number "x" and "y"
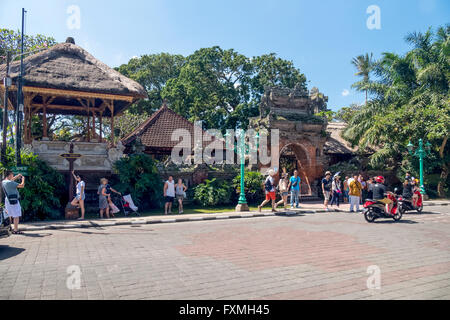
{"x": 411, "y": 102}
{"x": 152, "y": 72}
{"x": 364, "y": 65}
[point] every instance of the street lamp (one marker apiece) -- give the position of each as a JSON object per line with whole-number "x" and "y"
{"x": 421, "y": 153}
{"x": 242, "y": 149}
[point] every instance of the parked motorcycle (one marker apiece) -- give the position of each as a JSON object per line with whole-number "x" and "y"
{"x": 374, "y": 209}
{"x": 408, "y": 205}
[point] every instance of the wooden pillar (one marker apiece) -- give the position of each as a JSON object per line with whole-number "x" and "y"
{"x": 88, "y": 121}
{"x": 93, "y": 125}
{"x": 112, "y": 123}
{"x": 44, "y": 122}
{"x": 101, "y": 126}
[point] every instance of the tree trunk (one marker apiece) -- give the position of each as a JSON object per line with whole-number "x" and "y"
{"x": 444, "y": 170}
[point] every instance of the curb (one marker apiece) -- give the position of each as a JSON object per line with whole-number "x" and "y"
{"x": 187, "y": 219}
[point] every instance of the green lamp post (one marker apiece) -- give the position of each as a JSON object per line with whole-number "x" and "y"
{"x": 242, "y": 149}
{"x": 421, "y": 153}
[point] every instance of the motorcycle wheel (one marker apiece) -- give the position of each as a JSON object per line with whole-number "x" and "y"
{"x": 398, "y": 215}
{"x": 369, "y": 216}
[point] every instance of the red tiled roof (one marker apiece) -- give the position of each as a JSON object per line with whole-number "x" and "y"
{"x": 156, "y": 131}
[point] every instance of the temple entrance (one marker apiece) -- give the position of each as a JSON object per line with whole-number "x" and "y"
{"x": 294, "y": 157}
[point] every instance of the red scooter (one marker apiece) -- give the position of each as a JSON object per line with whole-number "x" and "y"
{"x": 411, "y": 205}
{"x": 374, "y": 209}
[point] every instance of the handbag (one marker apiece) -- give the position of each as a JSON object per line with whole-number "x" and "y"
{"x": 13, "y": 198}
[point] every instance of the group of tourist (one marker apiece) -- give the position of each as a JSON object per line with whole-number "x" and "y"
{"x": 105, "y": 204}
{"x": 285, "y": 185}
{"x": 356, "y": 189}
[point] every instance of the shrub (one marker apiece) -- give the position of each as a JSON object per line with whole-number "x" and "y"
{"x": 213, "y": 192}
{"x": 253, "y": 181}
{"x": 139, "y": 177}
{"x": 44, "y": 187}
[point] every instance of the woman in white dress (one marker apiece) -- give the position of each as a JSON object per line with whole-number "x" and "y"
{"x": 12, "y": 204}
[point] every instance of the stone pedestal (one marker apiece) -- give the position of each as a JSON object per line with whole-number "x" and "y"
{"x": 242, "y": 207}
{"x": 71, "y": 212}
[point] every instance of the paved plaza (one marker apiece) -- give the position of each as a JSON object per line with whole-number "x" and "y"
{"x": 309, "y": 256}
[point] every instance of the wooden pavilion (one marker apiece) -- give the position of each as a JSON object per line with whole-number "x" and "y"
{"x": 66, "y": 80}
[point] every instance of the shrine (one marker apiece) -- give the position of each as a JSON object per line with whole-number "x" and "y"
{"x": 66, "y": 80}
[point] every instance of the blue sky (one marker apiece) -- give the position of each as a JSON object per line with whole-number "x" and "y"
{"x": 320, "y": 37}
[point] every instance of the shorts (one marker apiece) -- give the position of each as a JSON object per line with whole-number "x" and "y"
{"x": 270, "y": 195}
{"x": 82, "y": 198}
{"x": 284, "y": 194}
{"x": 169, "y": 199}
{"x": 327, "y": 195}
{"x": 180, "y": 196}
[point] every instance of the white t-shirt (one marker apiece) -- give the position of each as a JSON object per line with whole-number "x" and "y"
{"x": 79, "y": 186}
{"x": 170, "y": 192}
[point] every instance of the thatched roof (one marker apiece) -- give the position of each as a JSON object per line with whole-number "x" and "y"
{"x": 335, "y": 144}
{"x": 69, "y": 67}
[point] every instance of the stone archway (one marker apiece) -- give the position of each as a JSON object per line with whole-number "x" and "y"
{"x": 293, "y": 156}
{"x": 301, "y": 133}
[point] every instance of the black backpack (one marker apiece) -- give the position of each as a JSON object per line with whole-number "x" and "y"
{"x": 268, "y": 185}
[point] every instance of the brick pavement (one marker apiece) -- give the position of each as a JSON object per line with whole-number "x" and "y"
{"x": 310, "y": 256}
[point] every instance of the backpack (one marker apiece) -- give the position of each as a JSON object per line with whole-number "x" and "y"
{"x": 268, "y": 185}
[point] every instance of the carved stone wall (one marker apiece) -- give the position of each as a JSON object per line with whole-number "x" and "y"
{"x": 95, "y": 156}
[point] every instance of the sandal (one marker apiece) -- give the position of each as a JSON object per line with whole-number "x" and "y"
{"x": 17, "y": 232}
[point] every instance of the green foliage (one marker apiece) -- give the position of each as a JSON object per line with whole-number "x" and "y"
{"x": 44, "y": 187}
{"x": 410, "y": 102}
{"x": 329, "y": 115}
{"x": 213, "y": 192}
{"x": 253, "y": 181}
{"x": 152, "y": 72}
{"x": 10, "y": 41}
{"x": 220, "y": 87}
{"x": 139, "y": 177}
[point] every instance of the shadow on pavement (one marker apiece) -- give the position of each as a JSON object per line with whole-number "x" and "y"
{"x": 7, "y": 252}
{"x": 415, "y": 213}
{"x": 392, "y": 221}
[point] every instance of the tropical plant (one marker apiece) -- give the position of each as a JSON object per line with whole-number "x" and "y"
{"x": 213, "y": 192}
{"x": 410, "y": 102}
{"x": 364, "y": 65}
{"x": 253, "y": 181}
{"x": 138, "y": 176}
{"x": 44, "y": 187}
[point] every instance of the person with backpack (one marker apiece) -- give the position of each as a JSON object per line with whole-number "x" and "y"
{"x": 326, "y": 189}
{"x": 269, "y": 189}
{"x": 12, "y": 203}
{"x": 294, "y": 184}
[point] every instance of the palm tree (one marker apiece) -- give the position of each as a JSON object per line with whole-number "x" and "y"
{"x": 364, "y": 64}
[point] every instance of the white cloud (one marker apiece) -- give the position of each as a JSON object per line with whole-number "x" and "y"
{"x": 345, "y": 93}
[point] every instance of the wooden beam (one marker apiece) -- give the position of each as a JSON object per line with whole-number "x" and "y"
{"x": 68, "y": 108}
{"x": 74, "y": 94}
